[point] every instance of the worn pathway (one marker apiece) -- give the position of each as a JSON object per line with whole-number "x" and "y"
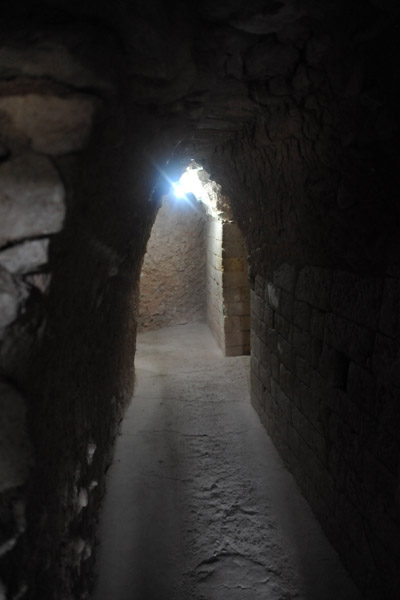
{"x": 199, "y": 504}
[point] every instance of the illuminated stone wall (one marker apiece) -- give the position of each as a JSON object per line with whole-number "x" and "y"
{"x": 228, "y": 290}
{"x": 172, "y": 282}
{"x": 215, "y": 314}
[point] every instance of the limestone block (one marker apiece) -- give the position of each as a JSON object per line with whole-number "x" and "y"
{"x": 286, "y": 379}
{"x": 256, "y": 385}
{"x": 285, "y": 277}
{"x": 257, "y": 305}
{"x": 235, "y": 264}
{"x": 274, "y": 296}
{"x": 275, "y": 367}
{"x": 333, "y": 366}
{"x": 283, "y": 327}
{"x": 232, "y": 295}
{"x": 232, "y": 233}
{"x": 300, "y": 423}
{"x": 354, "y": 341}
{"x": 245, "y": 294}
{"x": 217, "y": 276}
{"x": 236, "y": 309}
{"x": 31, "y": 200}
{"x": 316, "y": 351}
{"x": 51, "y": 124}
{"x": 272, "y": 340}
{"x": 258, "y": 327}
{"x": 317, "y": 323}
{"x": 231, "y": 324}
{"x": 235, "y": 279}
{"x": 286, "y": 305}
{"x": 285, "y": 352}
{"x": 302, "y": 370}
{"x": 234, "y": 249}
{"x": 356, "y": 297}
{"x": 217, "y": 262}
{"x": 236, "y": 338}
{"x": 259, "y": 286}
{"x": 237, "y": 350}
{"x": 16, "y": 454}
{"x": 25, "y": 257}
{"x": 214, "y": 229}
{"x": 302, "y": 315}
{"x": 314, "y": 285}
{"x": 302, "y": 343}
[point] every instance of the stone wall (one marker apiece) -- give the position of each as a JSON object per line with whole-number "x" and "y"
{"x": 173, "y": 278}
{"x": 236, "y": 291}
{"x": 215, "y": 308}
{"x": 294, "y": 110}
{"x": 37, "y": 131}
{"x": 325, "y": 381}
{"x": 228, "y": 289}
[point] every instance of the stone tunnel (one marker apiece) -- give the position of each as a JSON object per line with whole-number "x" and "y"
{"x": 292, "y": 108}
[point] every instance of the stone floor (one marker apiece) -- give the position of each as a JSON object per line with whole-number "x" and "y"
{"x": 199, "y": 504}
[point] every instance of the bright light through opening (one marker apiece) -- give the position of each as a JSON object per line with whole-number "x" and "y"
{"x": 189, "y": 183}
{"x": 195, "y": 182}
{"x": 179, "y": 190}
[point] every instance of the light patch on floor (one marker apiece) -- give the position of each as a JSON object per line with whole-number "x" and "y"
{"x": 199, "y": 504}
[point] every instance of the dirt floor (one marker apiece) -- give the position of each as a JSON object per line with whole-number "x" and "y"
{"x": 199, "y": 504}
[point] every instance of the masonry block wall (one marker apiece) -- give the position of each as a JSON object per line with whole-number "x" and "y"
{"x": 173, "y": 278}
{"x": 236, "y": 291}
{"x": 215, "y": 313}
{"x": 326, "y": 383}
{"x": 228, "y": 288}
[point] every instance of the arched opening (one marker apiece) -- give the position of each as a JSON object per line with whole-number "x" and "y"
{"x": 195, "y": 266}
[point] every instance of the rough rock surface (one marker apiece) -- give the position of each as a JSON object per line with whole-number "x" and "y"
{"x": 50, "y": 124}
{"x": 173, "y": 277}
{"x": 25, "y": 257}
{"x": 32, "y": 198}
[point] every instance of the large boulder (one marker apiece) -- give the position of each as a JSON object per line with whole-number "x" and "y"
{"x": 31, "y": 198}
{"x": 25, "y": 257}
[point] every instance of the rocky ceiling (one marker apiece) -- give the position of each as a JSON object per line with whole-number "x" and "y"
{"x": 211, "y": 65}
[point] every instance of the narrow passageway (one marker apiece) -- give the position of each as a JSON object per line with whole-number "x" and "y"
{"x": 199, "y": 505}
